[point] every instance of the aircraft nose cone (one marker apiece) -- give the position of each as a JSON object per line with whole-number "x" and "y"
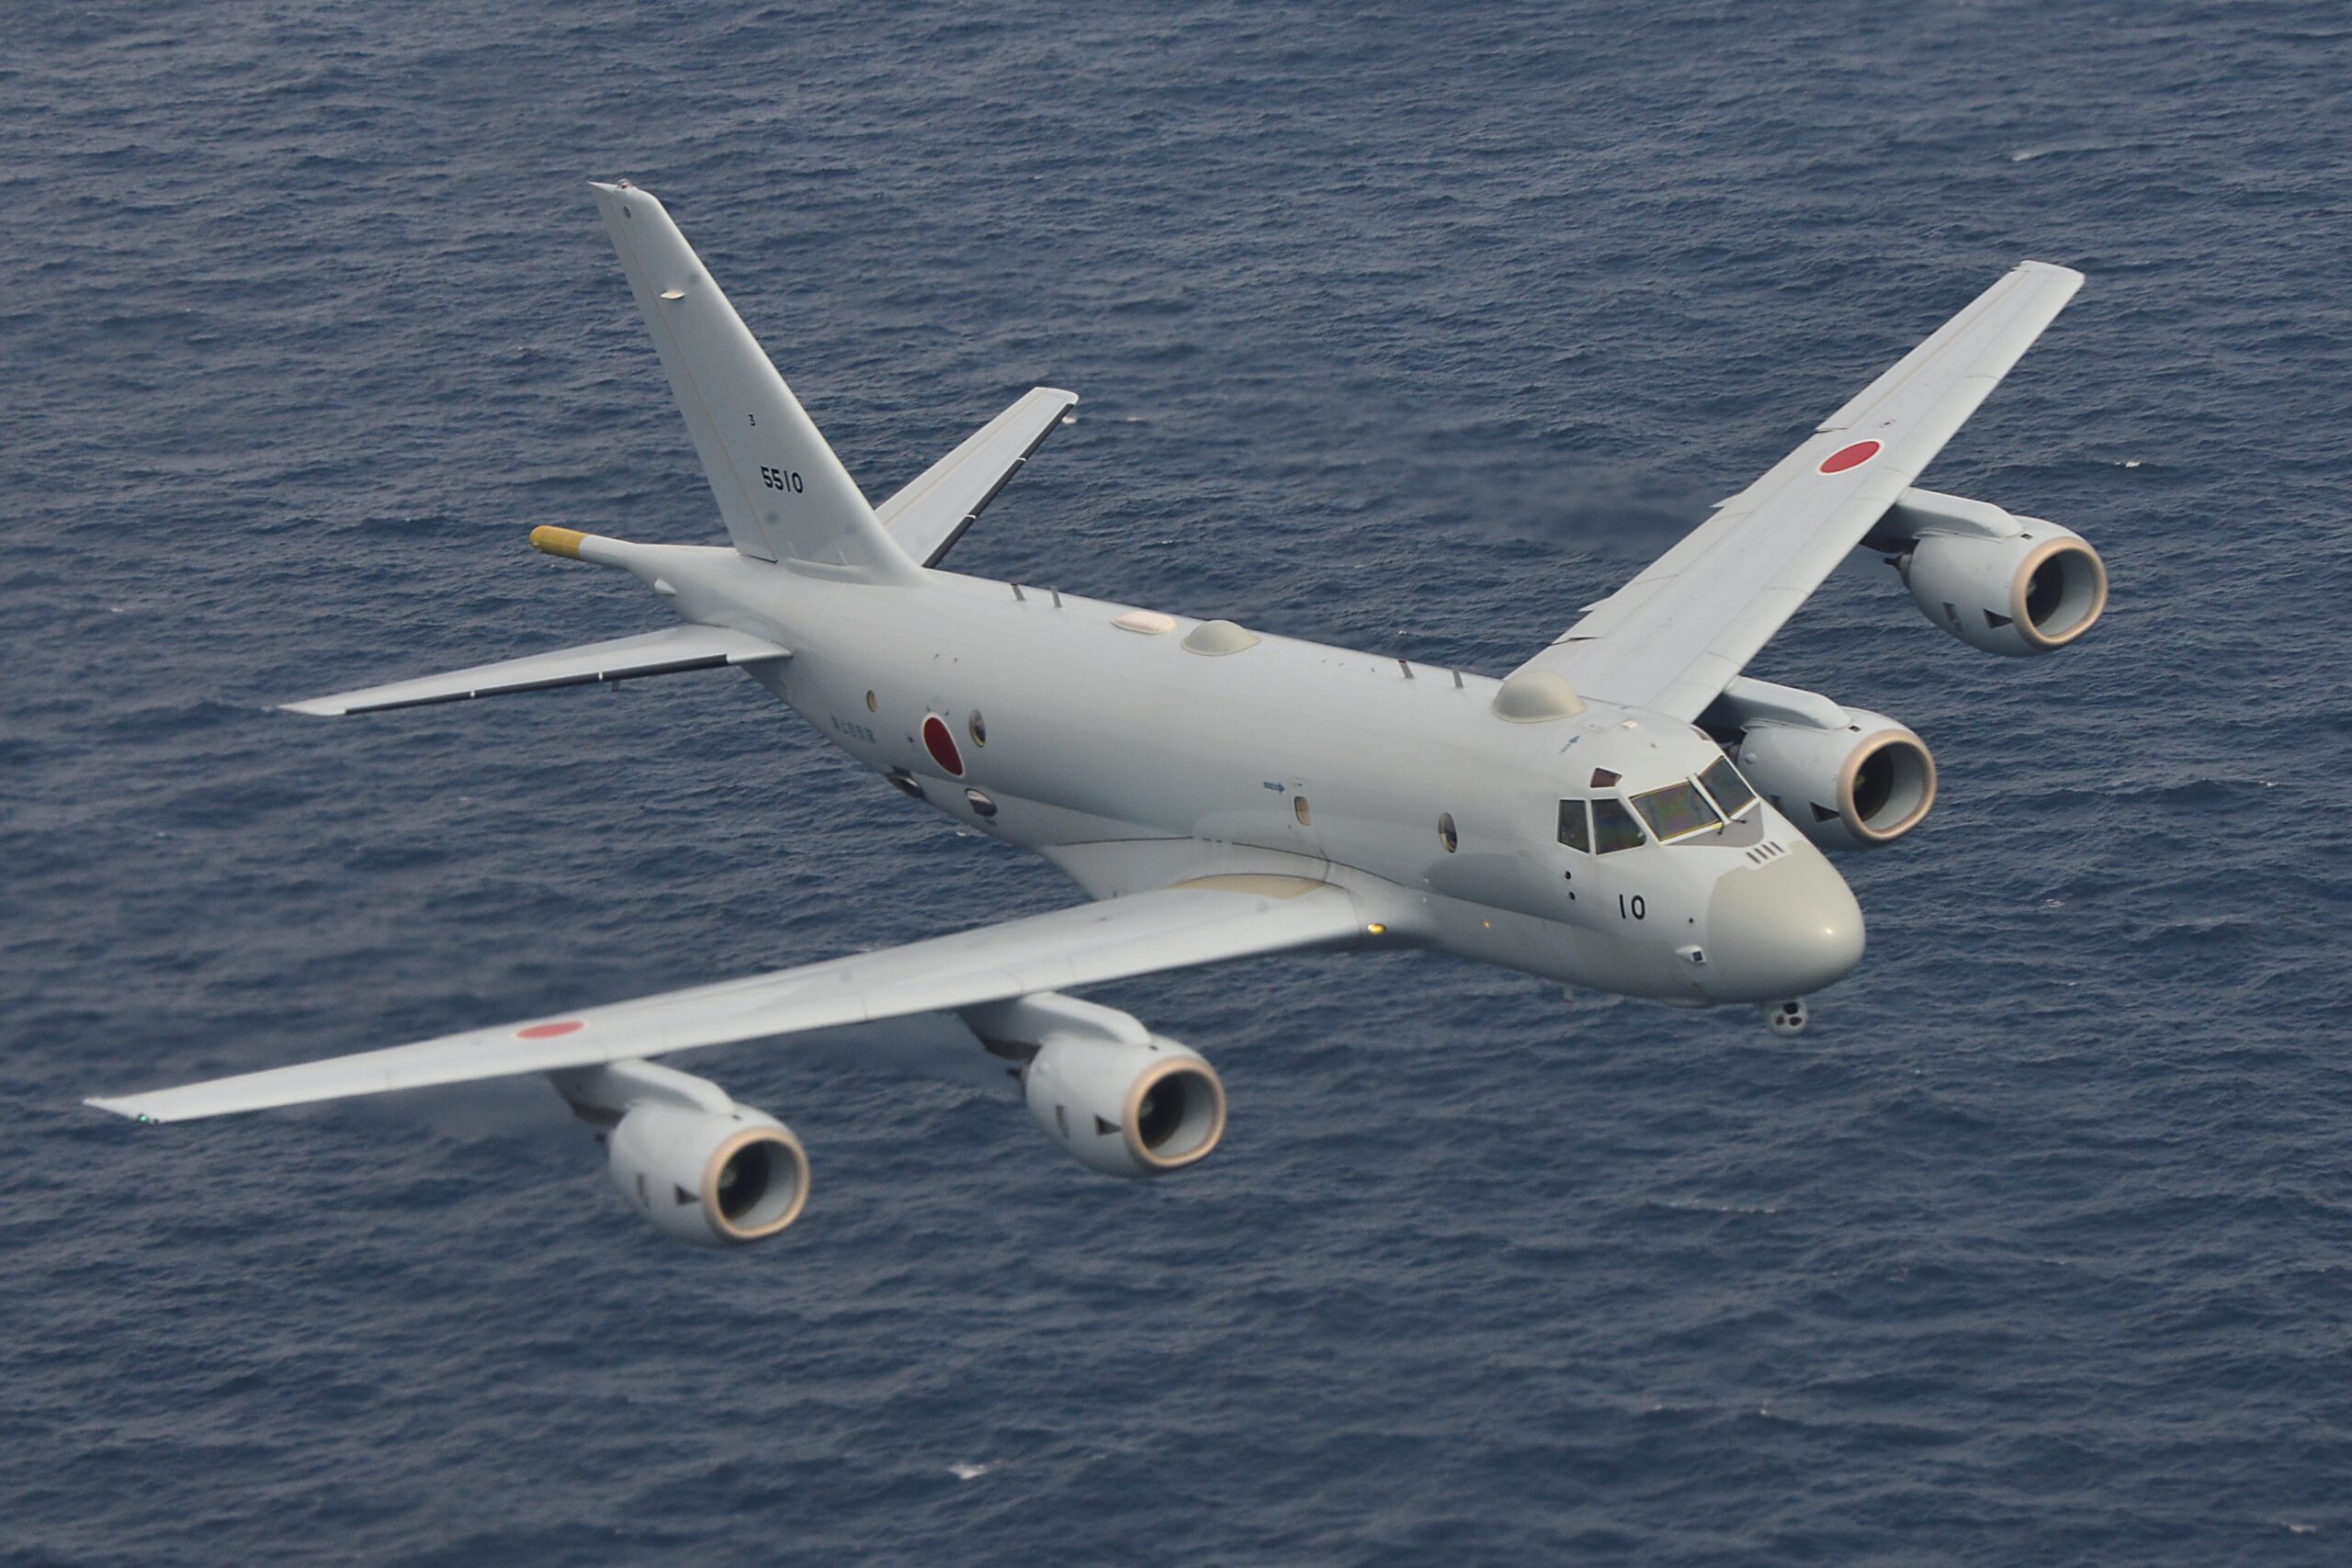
{"x": 1780, "y": 929}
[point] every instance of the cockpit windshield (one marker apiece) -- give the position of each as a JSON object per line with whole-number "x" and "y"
{"x": 1731, "y": 792}
{"x": 1675, "y": 810}
{"x": 1708, "y": 803}
{"x": 1613, "y": 827}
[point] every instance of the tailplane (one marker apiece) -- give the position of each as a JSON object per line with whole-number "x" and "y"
{"x": 928, "y": 516}
{"x": 783, "y": 493}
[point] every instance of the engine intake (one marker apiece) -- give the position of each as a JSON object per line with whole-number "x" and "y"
{"x": 1116, "y": 1097}
{"x": 1125, "y": 1110}
{"x": 716, "y": 1180}
{"x": 700, "y": 1168}
{"x": 1849, "y": 778}
{"x": 2009, "y": 585}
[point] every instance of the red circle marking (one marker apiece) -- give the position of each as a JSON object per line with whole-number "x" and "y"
{"x": 940, "y": 744}
{"x": 1852, "y": 457}
{"x": 549, "y": 1030}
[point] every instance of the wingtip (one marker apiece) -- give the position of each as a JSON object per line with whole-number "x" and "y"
{"x": 2052, "y": 269}
{"x": 610, "y": 193}
{"x": 315, "y": 707}
{"x": 121, "y": 1108}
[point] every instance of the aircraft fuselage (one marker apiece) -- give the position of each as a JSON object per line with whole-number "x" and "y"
{"x": 1066, "y": 724}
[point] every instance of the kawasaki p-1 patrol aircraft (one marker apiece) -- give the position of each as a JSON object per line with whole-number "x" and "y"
{"x": 1626, "y": 810}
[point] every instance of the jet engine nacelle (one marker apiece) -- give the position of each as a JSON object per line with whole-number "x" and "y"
{"x": 2009, "y": 585}
{"x": 700, "y": 1168}
{"x": 1118, "y": 1098}
{"x": 1849, "y": 778}
{"x": 1125, "y": 1110}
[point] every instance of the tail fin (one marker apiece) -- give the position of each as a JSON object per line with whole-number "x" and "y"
{"x": 784, "y": 495}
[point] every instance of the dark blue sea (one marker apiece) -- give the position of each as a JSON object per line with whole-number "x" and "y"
{"x": 1408, "y": 329}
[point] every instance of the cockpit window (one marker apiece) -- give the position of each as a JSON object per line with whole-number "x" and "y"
{"x": 1614, "y": 826}
{"x": 1731, "y": 792}
{"x": 1675, "y": 810}
{"x": 1573, "y": 832}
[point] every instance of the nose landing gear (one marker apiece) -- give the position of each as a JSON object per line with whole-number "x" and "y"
{"x": 1786, "y": 1018}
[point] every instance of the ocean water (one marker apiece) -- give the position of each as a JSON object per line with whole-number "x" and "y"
{"x": 1407, "y": 329}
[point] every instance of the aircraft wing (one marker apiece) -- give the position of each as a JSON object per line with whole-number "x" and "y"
{"x": 929, "y": 515}
{"x": 1671, "y": 638}
{"x": 1202, "y": 921}
{"x": 667, "y": 652}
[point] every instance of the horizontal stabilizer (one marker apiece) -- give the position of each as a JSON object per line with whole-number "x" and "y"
{"x": 669, "y": 652}
{"x": 929, "y": 515}
{"x": 1203, "y": 922}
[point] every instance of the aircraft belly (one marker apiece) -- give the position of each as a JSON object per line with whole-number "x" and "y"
{"x": 1112, "y": 867}
{"x": 1573, "y": 955}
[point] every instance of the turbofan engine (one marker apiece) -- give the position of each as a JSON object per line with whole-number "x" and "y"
{"x": 1118, "y": 1098}
{"x": 2009, "y": 585}
{"x": 1849, "y": 778}
{"x": 696, "y": 1164}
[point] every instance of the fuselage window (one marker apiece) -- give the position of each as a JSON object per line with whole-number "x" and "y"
{"x": 1298, "y": 809}
{"x": 1573, "y": 829}
{"x": 1445, "y": 831}
{"x": 1614, "y": 826}
{"x": 978, "y": 728}
{"x": 1731, "y": 792}
{"x": 1676, "y": 810}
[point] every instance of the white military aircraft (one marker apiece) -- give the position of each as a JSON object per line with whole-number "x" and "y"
{"x": 1219, "y": 794}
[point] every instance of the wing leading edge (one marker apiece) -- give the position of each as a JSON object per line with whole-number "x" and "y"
{"x": 1671, "y": 638}
{"x": 1203, "y": 921}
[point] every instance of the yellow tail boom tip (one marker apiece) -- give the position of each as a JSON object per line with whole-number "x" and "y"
{"x": 556, "y": 541}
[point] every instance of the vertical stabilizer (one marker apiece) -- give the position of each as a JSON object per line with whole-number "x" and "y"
{"x": 784, "y": 495}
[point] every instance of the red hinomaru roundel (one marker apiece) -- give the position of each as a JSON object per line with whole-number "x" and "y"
{"x": 940, "y": 742}
{"x": 550, "y": 1030}
{"x": 1847, "y": 458}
